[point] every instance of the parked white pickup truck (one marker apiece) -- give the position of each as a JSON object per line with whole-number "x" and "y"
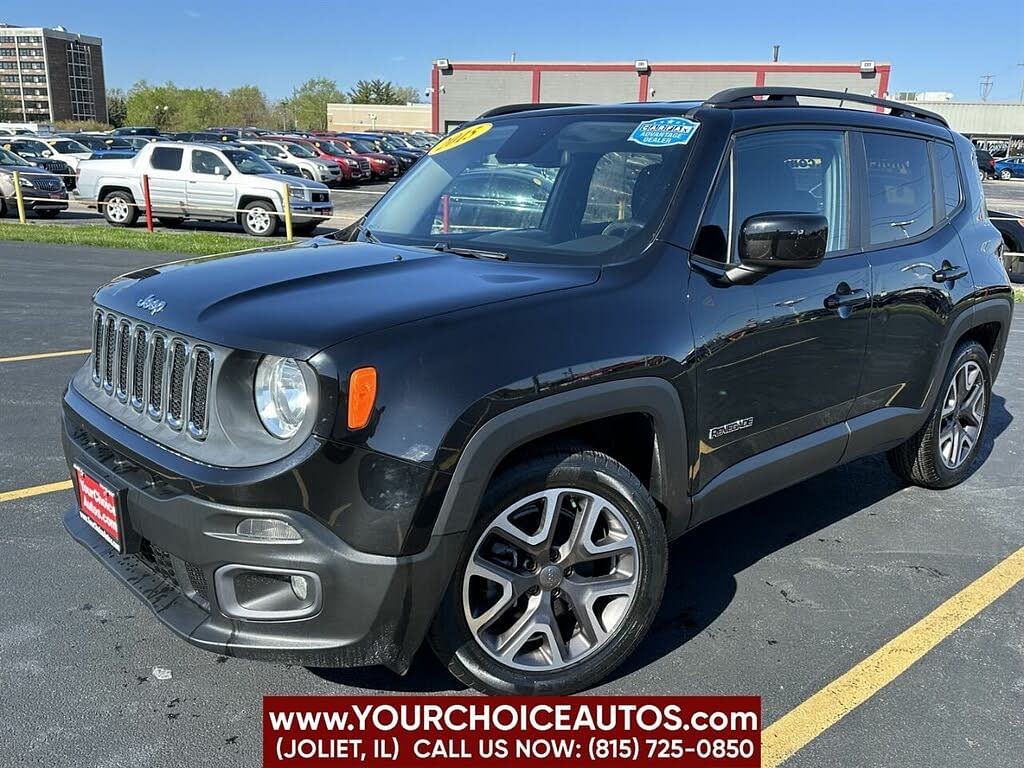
{"x": 204, "y": 182}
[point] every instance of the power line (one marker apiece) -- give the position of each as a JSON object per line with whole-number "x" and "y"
{"x": 986, "y": 86}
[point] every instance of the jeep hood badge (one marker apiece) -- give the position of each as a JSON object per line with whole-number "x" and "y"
{"x": 151, "y": 304}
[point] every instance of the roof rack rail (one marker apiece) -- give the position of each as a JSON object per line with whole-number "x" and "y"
{"x": 509, "y": 109}
{"x": 787, "y": 97}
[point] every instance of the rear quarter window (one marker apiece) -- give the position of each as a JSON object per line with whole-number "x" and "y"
{"x": 166, "y": 158}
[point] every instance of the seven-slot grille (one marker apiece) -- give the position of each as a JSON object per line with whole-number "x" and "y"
{"x": 364, "y": 165}
{"x": 150, "y": 370}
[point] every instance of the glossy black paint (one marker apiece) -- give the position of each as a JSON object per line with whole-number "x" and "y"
{"x": 775, "y": 379}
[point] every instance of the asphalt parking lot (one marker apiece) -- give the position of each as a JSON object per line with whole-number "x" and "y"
{"x": 779, "y": 598}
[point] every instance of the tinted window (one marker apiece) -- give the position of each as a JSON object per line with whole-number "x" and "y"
{"x": 792, "y": 172}
{"x": 713, "y": 237}
{"x": 166, "y": 158}
{"x": 946, "y": 161}
{"x": 613, "y": 186}
{"x": 207, "y": 162}
{"x": 900, "y": 203}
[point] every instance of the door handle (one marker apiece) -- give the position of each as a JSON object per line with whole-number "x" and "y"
{"x": 847, "y": 298}
{"x": 949, "y": 274}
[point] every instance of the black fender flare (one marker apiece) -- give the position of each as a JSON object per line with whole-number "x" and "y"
{"x": 517, "y": 426}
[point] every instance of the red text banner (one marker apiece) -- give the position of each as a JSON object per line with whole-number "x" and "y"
{"x": 419, "y": 732}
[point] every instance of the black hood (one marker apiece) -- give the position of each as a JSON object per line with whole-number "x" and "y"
{"x": 297, "y": 300}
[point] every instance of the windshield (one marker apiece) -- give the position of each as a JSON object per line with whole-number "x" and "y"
{"x": 9, "y": 158}
{"x": 248, "y": 162}
{"x": 260, "y": 150}
{"x": 65, "y": 146}
{"x": 298, "y": 150}
{"x": 358, "y": 145}
{"x": 333, "y": 147}
{"x": 567, "y": 189}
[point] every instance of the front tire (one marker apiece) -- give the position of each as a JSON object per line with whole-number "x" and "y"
{"x": 48, "y": 213}
{"x": 942, "y": 452}
{"x": 119, "y": 209}
{"x": 562, "y": 575}
{"x": 259, "y": 219}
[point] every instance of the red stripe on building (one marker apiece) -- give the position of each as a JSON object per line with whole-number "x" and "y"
{"x": 535, "y": 88}
{"x": 435, "y": 86}
{"x": 644, "y": 80}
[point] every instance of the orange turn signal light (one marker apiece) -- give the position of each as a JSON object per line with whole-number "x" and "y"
{"x": 362, "y": 394}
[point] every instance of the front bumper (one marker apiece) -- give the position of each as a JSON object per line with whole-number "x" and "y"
{"x": 304, "y": 212}
{"x": 374, "y": 609}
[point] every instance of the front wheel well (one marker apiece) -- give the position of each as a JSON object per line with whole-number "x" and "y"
{"x": 629, "y": 438}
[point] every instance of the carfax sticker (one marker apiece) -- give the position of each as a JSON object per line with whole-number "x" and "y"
{"x": 664, "y": 131}
{"x": 459, "y": 138}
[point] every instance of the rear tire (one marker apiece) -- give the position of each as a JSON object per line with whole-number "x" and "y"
{"x": 581, "y": 593}
{"x": 259, "y": 219}
{"x": 119, "y": 209}
{"x": 1005, "y": 175}
{"x": 943, "y": 451}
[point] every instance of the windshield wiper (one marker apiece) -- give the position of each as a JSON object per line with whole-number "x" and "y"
{"x": 367, "y": 234}
{"x": 471, "y": 253}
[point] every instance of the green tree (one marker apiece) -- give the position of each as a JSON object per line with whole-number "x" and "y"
{"x": 408, "y": 94}
{"x": 246, "y": 105}
{"x": 117, "y": 107}
{"x": 155, "y": 105}
{"x": 307, "y": 106}
{"x": 381, "y": 92}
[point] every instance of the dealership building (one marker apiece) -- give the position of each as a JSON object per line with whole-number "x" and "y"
{"x": 461, "y": 91}
{"x": 51, "y": 74}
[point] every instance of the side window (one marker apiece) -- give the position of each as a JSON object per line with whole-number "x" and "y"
{"x": 713, "y": 235}
{"x": 797, "y": 171}
{"x": 614, "y": 193}
{"x": 205, "y": 162}
{"x": 946, "y": 161}
{"x": 900, "y": 199}
{"x": 166, "y": 158}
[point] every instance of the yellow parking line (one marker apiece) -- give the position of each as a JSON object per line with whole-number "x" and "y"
{"x": 35, "y": 490}
{"x": 44, "y": 355}
{"x": 797, "y": 728}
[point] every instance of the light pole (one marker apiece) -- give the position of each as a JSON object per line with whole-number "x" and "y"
{"x": 160, "y": 116}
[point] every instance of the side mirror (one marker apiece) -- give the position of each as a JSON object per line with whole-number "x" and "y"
{"x": 772, "y": 241}
{"x": 220, "y": 170}
{"x": 46, "y": 153}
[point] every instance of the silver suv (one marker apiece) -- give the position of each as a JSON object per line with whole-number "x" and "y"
{"x": 43, "y": 192}
{"x": 312, "y": 167}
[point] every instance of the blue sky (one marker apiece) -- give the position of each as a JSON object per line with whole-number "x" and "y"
{"x": 939, "y": 46}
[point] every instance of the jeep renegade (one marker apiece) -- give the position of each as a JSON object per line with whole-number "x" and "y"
{"x": 568, "y": 336}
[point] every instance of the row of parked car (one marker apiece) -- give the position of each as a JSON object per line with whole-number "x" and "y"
{"x": 232, "y": 174}
{"x": 1005, "y": 168}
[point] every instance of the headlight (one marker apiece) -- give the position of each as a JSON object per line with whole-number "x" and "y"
{"x": 281, "y": 396}
{"x": 351, "y": 163}
{"x": 297, "y": 192}
{"x": 25, "y": 182}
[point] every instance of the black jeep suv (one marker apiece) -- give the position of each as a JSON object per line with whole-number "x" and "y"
{"x": 481, "y": 431}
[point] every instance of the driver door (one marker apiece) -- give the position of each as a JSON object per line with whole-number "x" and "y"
{"x": 782, "y": 356}
{"x": 208, "y": 191}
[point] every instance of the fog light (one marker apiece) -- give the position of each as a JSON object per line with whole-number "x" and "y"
{"x": 266, "y": 529}
{"x": 300, "y": 587}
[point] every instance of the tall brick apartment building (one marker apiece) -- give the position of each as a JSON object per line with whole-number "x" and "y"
{"x": 51, "y": 74}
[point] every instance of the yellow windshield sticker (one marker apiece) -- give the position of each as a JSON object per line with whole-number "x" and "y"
{"x": 459, "y": 138}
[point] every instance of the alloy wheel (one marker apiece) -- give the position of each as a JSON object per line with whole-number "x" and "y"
{"x": 117, "y": 209}
{"x": 963, "y": 415}
{"x": 551, "y": 579}
{"x": 258, "y": 220}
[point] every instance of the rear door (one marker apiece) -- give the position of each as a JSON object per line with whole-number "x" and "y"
{"x": 209, "y": 192}
{"x": 167, "y": 179}
{"x": 782, "y": 356}
{"x": 911, "y": 189}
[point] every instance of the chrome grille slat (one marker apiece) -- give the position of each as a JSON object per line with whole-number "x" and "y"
{"x": 97, "y": 347}
{"x": 124, "y": 343}
{"x": 109, "y": 348}
{"x": 176, "y": 383}
{"x": 148, "y": 370}
{"x": 157, "y": 364}
{"x": 202, "y": 374}
{"x": 140, "y": 346}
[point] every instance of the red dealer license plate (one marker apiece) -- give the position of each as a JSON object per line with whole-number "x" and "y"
{"x": 97, "y": 505}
